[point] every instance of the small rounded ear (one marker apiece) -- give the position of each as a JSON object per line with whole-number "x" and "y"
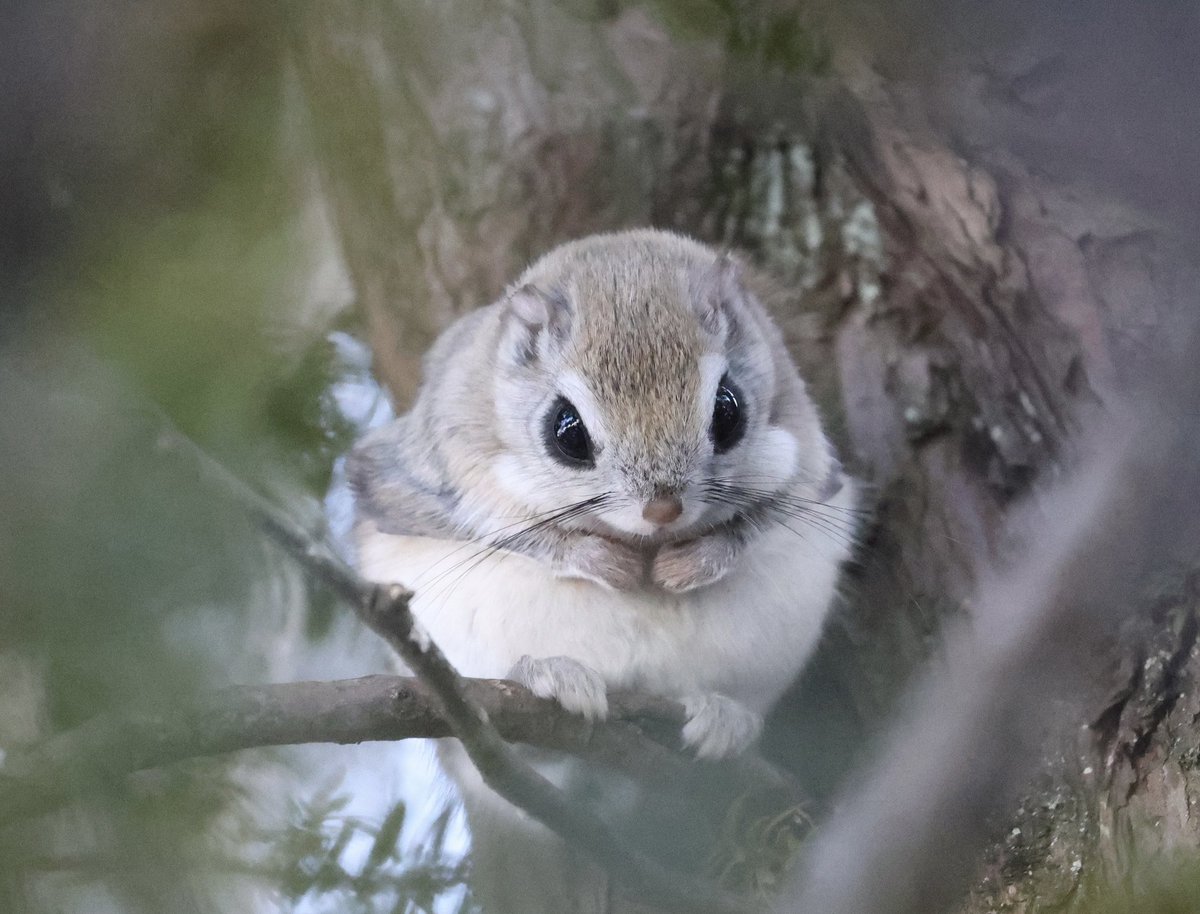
{"x": 536, "y": 307}
{"x": 719, "y": 285}
{"x": 535, "y": 310}
{"x": 530, "y": 306}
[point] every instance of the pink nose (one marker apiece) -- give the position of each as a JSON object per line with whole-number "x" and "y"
{"x": 662, "y": 510}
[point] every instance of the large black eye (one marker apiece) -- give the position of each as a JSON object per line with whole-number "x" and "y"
{"x": 729, "y": 419}
{"x": 566, "y": 436}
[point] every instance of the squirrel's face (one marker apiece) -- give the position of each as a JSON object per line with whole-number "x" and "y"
{"x": 632, "y": 391}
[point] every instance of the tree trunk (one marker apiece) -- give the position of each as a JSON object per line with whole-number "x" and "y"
{"x": 972, "y": 262}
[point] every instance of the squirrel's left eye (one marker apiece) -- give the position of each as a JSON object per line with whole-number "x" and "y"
{"x": 729, "y": 419}
{"x": 567, "y": 438}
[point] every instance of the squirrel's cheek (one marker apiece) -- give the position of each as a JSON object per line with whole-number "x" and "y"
{"x": 778, "y": 454}
{"x": 515, "y": 480}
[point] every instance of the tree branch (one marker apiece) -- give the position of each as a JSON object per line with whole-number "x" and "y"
{"x": 385, "y": 610}
{"x": 345, "y": 711}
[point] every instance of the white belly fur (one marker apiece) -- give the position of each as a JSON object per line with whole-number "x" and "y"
{"x": 747, "y": 636}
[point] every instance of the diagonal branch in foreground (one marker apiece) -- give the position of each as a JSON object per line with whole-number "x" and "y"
{"x": 906, "y": 838}
{"x": 385, "y": 610}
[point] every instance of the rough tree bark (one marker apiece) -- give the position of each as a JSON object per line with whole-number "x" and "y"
{"x": 967, "y": 267}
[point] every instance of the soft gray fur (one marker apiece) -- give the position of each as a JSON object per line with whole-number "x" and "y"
{"x": 666, "y": 566}
{"x": 632, "y": 314}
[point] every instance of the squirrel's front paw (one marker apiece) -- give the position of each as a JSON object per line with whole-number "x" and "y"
{"x": 610, "y": 564}
{"x": 686, "y": 566}
{"x": 576, "y": 687}
{"x": 719, "y": 727}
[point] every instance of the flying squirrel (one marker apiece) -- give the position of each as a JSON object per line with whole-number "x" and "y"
{"x": 602, "y": 485}
{"x": 613, "y": 478}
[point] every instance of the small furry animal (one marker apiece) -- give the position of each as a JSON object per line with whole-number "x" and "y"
{"x": 613, "y": 477}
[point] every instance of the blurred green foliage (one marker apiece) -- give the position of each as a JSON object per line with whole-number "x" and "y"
{"x": 318, "y": 859}
{"x": 165, "y": 285}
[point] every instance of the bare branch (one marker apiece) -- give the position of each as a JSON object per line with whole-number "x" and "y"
{"x": 345, "y": 711}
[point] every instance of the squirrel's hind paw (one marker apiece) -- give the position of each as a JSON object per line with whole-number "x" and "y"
{"x": 719, "y": 727}
{"x": 576, "y": 687}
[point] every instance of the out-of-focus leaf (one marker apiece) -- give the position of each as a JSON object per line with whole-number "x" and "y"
{"x": 386, "y": 838}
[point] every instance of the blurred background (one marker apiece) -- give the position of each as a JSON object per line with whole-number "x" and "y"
{"x": 249, "y": 223}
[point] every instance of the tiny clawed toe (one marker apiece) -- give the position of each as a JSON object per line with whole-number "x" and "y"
{"x": 575, "y": 686}
{"x": 719, "y": 727}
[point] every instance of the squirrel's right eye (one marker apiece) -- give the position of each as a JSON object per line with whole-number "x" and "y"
{"x": 729, "y": 419}
{"x": 566, "y": 436}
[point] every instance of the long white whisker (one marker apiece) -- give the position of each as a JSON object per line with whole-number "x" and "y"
{"x": 503, "y": 544}
{"x": 780, "y": 505}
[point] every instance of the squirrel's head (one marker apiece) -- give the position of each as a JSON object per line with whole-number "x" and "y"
{"x": 637, "y": 376}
